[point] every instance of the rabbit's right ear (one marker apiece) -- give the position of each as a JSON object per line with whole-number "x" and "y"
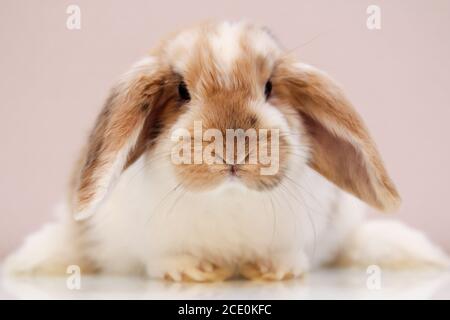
{"x": 115, "y": 135}
{"x": 341, "y": 147}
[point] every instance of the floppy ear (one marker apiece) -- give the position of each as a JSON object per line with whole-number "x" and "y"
{"x": 115, "y": 135}
{"x": 342, "y": 149}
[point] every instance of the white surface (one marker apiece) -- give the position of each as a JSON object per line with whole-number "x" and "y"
{"x": 325, "y": 284}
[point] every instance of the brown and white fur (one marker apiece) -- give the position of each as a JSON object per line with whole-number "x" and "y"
{"x": 131, "y": 210}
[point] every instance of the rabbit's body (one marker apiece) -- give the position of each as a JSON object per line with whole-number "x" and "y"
{"x": 145, "y": 211}
{"x": 148, "y": 223}
{"x": 148, "y": 228}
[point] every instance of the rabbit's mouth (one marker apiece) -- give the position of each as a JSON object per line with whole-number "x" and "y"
{"x": 202, "y": 177}
{"x": 254, "y": 172}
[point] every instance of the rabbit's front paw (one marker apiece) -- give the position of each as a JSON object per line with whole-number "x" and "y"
{"x": 190, "y": 269}
{"x": 276, "y": 268}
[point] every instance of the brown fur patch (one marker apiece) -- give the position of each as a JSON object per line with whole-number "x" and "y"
{"x": 125, "y": 111}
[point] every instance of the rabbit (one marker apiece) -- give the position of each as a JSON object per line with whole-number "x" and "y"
{"x": 132, "y": 209}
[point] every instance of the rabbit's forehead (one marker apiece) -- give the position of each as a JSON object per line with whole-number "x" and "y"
{"x": 222, "y": 48}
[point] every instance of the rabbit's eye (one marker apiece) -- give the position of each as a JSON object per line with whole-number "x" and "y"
{"x": 183, "y": 92}
{"x": 268, "y": 89}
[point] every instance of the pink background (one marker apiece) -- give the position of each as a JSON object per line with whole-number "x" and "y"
{"x": 53, "y": 82}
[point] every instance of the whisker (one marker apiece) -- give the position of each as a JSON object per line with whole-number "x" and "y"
{"x": 302, "y": 45}
{"x": 163, "y": 199}
{"x": 180, "y": 196}
{"x": 308, "y": 213}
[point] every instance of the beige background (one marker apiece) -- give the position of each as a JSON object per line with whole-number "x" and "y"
{"x": 53, "y": 81}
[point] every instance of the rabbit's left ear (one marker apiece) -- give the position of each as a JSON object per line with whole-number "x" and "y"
{"x": 342, "y": 149}
{"x": 115, "y": 135}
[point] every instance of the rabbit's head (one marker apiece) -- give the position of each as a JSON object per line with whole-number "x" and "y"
{"x": 223, "y": 103}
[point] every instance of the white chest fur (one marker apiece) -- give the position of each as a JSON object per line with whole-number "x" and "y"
{"x": 148, "y": 217}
